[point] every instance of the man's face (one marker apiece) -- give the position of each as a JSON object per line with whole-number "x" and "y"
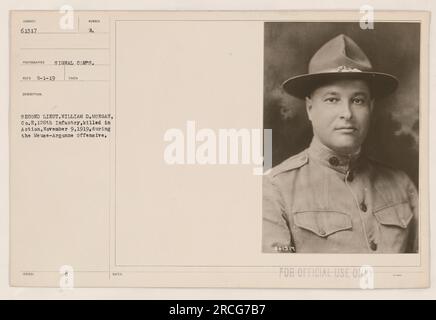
{"x": 340, "y": 113}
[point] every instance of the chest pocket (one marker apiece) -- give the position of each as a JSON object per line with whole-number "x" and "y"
{"x": 323, "y": 223}
{"x": 398, "y": 215}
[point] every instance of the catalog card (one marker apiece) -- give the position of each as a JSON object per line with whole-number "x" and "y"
{"x": 279, "y": 149}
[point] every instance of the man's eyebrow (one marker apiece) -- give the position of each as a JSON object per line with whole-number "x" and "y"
{"x": 334, "y": 93}
{"x": 361, "y": 93}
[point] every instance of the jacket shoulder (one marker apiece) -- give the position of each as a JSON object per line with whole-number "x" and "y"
{"x": 383, "y": 166}
{"x": 387, "y": 171}
{"x": 292, "y": 163}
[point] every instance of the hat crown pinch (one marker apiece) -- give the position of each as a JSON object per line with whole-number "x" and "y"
{"x": 338, "y": 55}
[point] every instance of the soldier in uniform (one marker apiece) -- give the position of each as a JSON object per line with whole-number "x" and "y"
{"x": 331, "y": 198}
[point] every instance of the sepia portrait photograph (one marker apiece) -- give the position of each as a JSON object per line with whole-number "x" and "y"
{"x": 342, "y": 102}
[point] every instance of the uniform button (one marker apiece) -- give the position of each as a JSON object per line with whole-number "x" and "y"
{"x": 322, "y": 232}
{"x": 363, "y": 207}
{"x": 334, "y": 161}
{"x": 350, "y": 177}
{"x": 373, "y": 246}
{"x": 403, "y": 222}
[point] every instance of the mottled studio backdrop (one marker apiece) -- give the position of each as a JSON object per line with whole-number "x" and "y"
{"x": 391, "y": 47}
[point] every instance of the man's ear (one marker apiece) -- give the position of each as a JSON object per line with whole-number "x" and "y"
{"x": 309, "y": 107}
{"x": 371, "y": 104}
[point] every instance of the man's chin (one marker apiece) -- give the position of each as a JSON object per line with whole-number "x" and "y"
{"x": 346, "y": 147}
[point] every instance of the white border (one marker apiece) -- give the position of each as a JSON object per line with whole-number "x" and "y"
{"x": 149, "y": 293}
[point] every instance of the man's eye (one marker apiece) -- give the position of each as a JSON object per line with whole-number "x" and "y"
{"x": 358, "y": 101}
{"x": 331, "y": 100}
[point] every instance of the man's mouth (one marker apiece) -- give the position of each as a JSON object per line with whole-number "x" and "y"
{"x": 346, "y": 129}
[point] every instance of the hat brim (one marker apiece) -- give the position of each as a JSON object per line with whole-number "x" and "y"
{"x": 381, "y": 84}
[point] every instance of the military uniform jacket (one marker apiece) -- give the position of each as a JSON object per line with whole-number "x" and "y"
{"x": 321, "y": 202}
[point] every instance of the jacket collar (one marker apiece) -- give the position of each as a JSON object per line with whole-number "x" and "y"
{"x": 332, "y": 159}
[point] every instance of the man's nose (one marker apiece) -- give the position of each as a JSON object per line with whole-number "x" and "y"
{"x": 346, "y": 110}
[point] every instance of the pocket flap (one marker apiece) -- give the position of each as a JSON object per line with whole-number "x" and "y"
{"x": 323, "y": 223}
{"x": 395, "y": 215}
